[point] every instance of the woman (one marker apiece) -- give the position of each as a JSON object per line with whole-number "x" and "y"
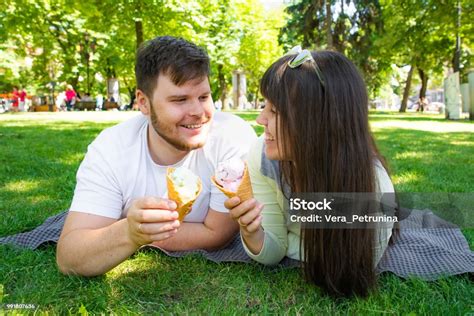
{"x": 70, "y": 97}
{"x": 317, "y": 139}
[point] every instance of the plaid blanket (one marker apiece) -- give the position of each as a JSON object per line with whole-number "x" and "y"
{"x": 427, "y": 247}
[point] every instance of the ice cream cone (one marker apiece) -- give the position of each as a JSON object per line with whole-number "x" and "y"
{"x": 184, "y": 207}
{"x": 244, "y": 191}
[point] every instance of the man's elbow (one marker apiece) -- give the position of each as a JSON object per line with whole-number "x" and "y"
{"x": 62, "y": 263}
{"x": 67, "y": 269}
{"x": 64, "y": 269}
{"x": 67, "y": 266}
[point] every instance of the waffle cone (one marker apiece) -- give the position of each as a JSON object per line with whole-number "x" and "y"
{"x": 183, "y": 208}
{"x": 244, "y": 191}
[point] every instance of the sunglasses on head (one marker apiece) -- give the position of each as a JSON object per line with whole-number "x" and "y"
{"x": 304, "y": 55}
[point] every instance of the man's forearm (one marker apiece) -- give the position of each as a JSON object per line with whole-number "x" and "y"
{"x": 194, "y": 236}
{"x": 91, "y": 252}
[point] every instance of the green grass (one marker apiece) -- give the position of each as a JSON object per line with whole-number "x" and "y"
{"x": 39, "y": 156}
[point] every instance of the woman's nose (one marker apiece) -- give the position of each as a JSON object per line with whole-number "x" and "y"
{"x": 261, "y": 119}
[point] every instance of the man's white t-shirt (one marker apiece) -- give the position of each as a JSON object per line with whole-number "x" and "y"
{"x": 118, "y": 167}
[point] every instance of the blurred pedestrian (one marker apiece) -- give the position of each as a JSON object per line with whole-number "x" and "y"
{"x": 14, "y": 99}
{"x": 99, "y": 102}
{"x": 422, "y": 104}
{"x": 61, "y": 101}
{"x": 22, "y": 96}
{"x": 218, "y": 105}
{"x": 70, "y": 97}
{"x": 87, "y": 98}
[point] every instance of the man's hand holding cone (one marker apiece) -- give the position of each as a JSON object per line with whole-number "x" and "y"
{"x": 183, "y": 187}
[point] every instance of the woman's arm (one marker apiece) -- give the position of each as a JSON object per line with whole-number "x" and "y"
{"x": 265, "y": 237}
{"x": 384, "y": 231}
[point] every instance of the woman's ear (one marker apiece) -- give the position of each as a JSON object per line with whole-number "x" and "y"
{"x": 143, "y": 102}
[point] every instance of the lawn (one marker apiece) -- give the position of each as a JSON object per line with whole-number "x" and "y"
{"x": 39, "y": 156}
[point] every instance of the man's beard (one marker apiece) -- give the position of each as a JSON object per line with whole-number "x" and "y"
{"x": 164, "y": 131}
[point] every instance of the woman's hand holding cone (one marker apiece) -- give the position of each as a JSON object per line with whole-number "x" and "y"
{"x": 247, "y": 214}
{"x": 151, "y": 219}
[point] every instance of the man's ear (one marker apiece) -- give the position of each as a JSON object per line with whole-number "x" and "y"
{"x": 143, "y": 102}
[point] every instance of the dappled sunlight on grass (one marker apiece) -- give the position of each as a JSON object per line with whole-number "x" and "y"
{"x": 138, "y": 263}
{"x": 413, "y": 154}
{"x": 35, "y": 199}
{"x": 405, "y": 116}
{"x": 462, "y": 143}
{"x": 23, "y": 126}
{"x": 66, "y": 126}
{"x": 21, "y": 186}
{"x": 428, "y": 126}
{"x": 406, "y": 178}
{"x": 71, "y": 159}
{"x": 440, "y": 166}
{"x": 19, "y": 123}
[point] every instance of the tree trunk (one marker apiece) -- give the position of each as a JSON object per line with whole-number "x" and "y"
{"x": 139, "y": 32}
{"x": 138, "y": 23}
{"x": 406, "y": 93}
{"x": 110, "y": 70}
{"x": 75, "y": 82}
{"x": 222, "y": 86}
{"x": 131, "y": 91}
{"x": 457, "y": 51}
{"x": 328, "y": 24}
{"x": 424, "y": 83}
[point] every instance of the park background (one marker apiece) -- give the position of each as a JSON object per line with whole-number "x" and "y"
{"x": 402, "y": 48}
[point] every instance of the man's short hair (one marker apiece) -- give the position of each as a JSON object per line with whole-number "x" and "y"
{"x": 166, "y": 55}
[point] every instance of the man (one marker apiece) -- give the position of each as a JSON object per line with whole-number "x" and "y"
{"x": 120, "y": 199}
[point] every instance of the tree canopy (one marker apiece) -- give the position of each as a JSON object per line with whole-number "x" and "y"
{"x": 377, "y": 34}
{"x": 84, "y": 43}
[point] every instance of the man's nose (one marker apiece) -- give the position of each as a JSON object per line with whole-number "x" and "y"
{"x": 197, "y": 108}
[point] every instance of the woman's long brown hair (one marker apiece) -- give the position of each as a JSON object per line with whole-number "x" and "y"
{"x": 329, "y": 147}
